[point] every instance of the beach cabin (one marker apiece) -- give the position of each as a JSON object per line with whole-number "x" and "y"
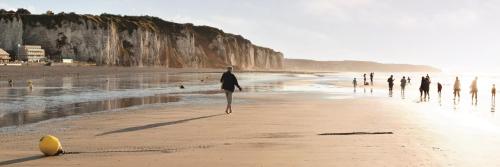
{"x": 4, "y": 56}
{"x": 31, "y": 53}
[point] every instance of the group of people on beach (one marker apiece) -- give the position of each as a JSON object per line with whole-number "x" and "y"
{"x": 473, "y": 90}
{"x": 365, "y": 83}
{"x": 425, "y": 85}
{"x": 403, "y": 82}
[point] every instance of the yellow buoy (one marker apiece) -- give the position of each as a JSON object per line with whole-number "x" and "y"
{"x": 50, "y": 145}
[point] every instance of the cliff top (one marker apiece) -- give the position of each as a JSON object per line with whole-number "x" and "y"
{"x": 124, "y": 23}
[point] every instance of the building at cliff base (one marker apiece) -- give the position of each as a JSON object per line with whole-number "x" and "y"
{"x": 67, "y": 61}
{"x": 4, "y": 56}
{"x": 31, "y": 53}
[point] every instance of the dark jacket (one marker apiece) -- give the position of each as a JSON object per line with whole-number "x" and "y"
{"x": 229, "y": 81}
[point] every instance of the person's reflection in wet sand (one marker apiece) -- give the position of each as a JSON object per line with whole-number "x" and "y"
{"x": 371, "y": 91}
{"x": 493, "y": 102}
{"x": 364, "y": 90}
{"x": 440, "y": 101}
{"x": 455, "y": 104}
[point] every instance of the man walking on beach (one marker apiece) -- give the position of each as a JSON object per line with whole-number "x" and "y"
{"x": 228, "y": 81}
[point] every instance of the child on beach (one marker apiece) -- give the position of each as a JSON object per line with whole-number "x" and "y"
{"x": 228, "y": 81}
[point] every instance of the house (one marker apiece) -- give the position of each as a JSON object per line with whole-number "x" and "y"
{"x": 4, "y": 56}
{"x": 31, "y": 53}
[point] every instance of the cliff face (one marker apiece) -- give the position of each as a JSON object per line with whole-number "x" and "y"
{"x": 134, "y": 41}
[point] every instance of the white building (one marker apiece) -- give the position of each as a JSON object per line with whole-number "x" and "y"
{"x": 67, "y": 61}
{"x": 31, "y": 53}
{"x": 4, "y": 56}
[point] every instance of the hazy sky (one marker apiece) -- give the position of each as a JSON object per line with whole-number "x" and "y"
{"x": 454, "y": 35}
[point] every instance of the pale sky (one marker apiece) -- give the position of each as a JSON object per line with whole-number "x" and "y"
{"x": 455, "y": 35}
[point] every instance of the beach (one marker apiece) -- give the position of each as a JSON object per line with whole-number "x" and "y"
{"x": 269, "y": 131}
{"x": 284, "y": 126}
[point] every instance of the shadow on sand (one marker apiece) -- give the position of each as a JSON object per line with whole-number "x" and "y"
{"x": 137, "y": 128}
{"x": 21, "y": 160}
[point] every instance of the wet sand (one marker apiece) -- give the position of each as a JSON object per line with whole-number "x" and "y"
{"x": 278, "y": 129}
{"x": 22, "y": 73}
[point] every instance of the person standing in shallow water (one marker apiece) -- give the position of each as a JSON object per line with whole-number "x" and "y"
{"x": 390, "y": 80}
{"x": 474, "y": 90}
{"x": 493, "y": 93}
{"x": 371, "y": 78}
{"x": 440, "y": 88}
{"x": 421, "y": 89}
{"x": 456, "y": 89}
{"x": 403, "y": 85}
{"x": 364, "y": 79}
{"x": 427, "y": 88}
{"x": 229, "y": 82}
{"x": 355, "y": 84}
